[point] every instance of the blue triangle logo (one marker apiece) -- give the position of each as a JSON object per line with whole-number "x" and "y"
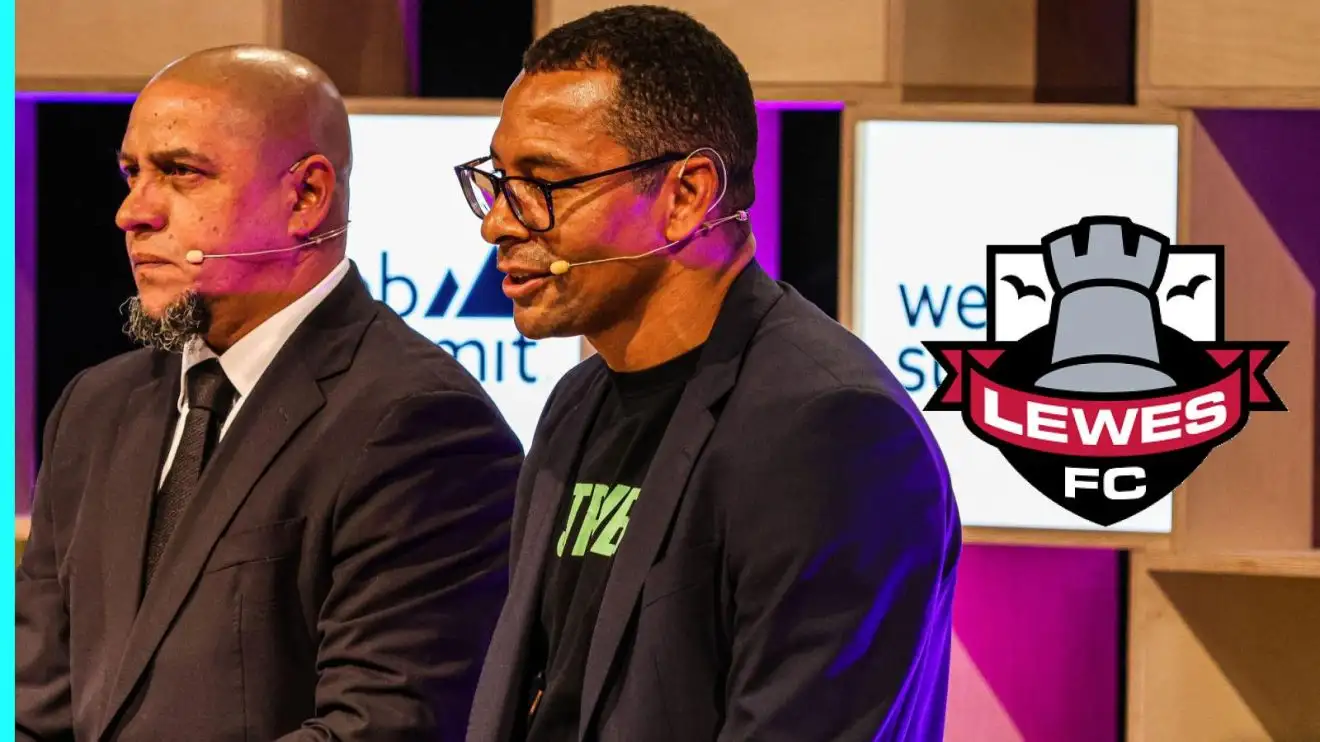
{"x": 444, "y": 296}
{"x": 487, "y": 299}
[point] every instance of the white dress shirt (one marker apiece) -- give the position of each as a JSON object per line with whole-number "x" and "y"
{"x": 247, "y": 359}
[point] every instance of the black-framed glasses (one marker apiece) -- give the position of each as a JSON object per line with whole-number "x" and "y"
{"x": 530, "y": 199}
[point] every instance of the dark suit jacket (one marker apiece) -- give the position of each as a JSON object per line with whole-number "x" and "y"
{"x": 787, "y": 574}
{"x": 337, "y": 576}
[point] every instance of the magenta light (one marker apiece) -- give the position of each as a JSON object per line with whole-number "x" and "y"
{"x": 64, "y": 96}
{"x": 801, "y": 105}
{"x": 765, "y": 211}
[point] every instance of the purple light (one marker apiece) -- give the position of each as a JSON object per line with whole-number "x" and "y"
{"x": 801, "y": 105}
{"x": 25, "y": 295}
{"x": 1041, "y": 625}
{"x": 764, "y": 213}
{"x": 410, "y": 13}
{"x": 64, "y": 96}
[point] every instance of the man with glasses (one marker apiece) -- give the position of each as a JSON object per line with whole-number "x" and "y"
{"x": 732, "y": 523}
{"x": 288, "y": 516}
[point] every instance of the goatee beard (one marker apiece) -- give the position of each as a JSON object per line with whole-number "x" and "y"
{"x": 181, "y": 321}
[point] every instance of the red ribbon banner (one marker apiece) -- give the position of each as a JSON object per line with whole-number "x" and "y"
{"x": 1105, "y": 428}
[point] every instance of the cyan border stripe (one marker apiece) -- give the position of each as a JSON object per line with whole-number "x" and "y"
{"x": 7, "y": 326}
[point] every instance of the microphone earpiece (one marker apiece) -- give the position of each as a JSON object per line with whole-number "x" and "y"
{"x": 739, "y": 216}
{"x": 560, "y": 267}
{"x": 196, "y": 257}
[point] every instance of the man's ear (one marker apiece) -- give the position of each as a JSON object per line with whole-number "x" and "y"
{"x": 314, "y": 190}
{"x": 696, "y": 190}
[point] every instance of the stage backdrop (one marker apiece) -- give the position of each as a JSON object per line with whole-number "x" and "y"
{"x": 929, "y": 196}
{"x": 419, "y": 247}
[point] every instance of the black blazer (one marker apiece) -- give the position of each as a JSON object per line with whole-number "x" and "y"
{"x": 337, "y": 576}
{"x": 788, "y": 571}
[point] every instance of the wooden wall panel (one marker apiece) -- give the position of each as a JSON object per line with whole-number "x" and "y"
{"x": 1171, "y": 674}
{"x": 118, "y": 46}
{"x": 1230, "y": 52}
{"x": 956, "y": 50}
{"x": 928, "y": 51}
{"x": 75, "y": 44}
{"x": 1224, "y": 649}
{"x": 1257, "y": 490}
{"x": 363, "y": 46}
{"x": 1085, "y": 51}
{"x": 848, "y": 40}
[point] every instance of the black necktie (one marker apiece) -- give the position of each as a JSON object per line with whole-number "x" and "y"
{"x": 210, "y": 396}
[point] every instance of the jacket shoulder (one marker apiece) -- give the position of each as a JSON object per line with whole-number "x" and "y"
{"x": 117, "y": 376}
{"x": 801, "y": 361}
{"x": 401, "y": 362}
{"x": 804, "y": 352}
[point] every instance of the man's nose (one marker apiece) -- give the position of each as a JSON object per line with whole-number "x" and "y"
{"x": 500, "y": 225}
{"x": 140, "y": 211}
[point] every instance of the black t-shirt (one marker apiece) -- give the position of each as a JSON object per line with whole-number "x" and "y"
{"x": 591, "y": 523}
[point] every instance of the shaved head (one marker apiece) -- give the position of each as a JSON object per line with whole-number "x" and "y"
{"x": 298, "y": 106}
{"x": 242, "y": 151}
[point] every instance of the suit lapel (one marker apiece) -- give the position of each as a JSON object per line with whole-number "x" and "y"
{"x": 749, "y": 298}
{"x": 497, "y": 701}
{"x": 285, "y": 398}
{"x": 130, "y": 486}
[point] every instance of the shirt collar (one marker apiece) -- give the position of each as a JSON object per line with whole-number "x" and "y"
{"x": 247, "y": 359}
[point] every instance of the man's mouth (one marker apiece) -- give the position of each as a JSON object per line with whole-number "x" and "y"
{"x": 146, "y": 259}
{"x": 519, "y": 278}
{"x": 523, "y": 284}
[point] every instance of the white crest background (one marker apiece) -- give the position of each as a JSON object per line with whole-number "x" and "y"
{"x": 931, "y": 196}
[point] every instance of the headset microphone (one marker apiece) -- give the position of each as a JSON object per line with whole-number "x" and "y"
{"x": 560, "y": 267}
{"x": 197, "y": 256}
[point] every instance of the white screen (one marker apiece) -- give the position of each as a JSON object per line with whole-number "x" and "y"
{"x": 930, "y": 198}
{"x": 419, "y": 247}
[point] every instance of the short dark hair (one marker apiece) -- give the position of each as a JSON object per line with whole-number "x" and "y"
{"x": 680, "y": 86}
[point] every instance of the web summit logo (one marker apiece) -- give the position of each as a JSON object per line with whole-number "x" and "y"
{"x": 1097, "y": 394}
{"x": 488, "y": 357}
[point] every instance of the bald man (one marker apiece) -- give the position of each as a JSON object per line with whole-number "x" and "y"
{"x": 287, "y": 516}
